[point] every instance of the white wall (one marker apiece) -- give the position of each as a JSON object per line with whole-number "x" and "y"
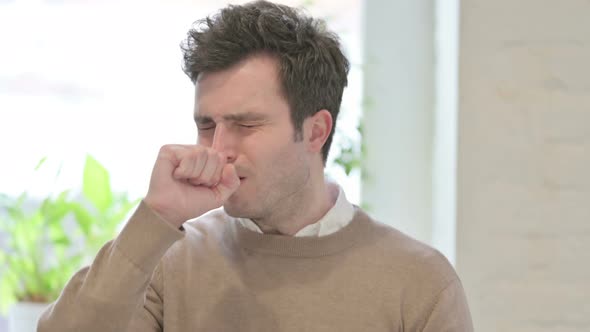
{"x": 524, "y": 164}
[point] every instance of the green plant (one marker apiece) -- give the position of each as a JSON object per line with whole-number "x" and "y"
{"x": 41, "y": 253}
{"x": 350, "y": 156}
{"x": 103, "y": 210}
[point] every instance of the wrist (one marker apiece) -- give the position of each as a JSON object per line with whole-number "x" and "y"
{"x": 160, "y": 212}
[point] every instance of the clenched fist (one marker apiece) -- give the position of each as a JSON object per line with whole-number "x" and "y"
{"x": 188, "y": 181}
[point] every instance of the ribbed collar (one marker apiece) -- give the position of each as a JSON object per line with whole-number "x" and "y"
{"x": 357, "y": 230}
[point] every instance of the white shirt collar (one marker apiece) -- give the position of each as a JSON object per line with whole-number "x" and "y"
{"x": 335, "y": 219}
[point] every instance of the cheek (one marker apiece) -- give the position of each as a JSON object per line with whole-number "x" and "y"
{"x": 287, "y": 162}
{"x": 273, "y": 153}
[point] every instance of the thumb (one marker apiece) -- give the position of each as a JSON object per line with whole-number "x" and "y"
{"x": 229, "y": 182}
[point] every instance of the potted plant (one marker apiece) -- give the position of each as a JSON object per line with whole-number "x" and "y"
{"x": 47, "y": 242}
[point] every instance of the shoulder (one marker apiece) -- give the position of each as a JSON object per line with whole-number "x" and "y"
{"x": 407, "y": 257}
{"x": 419, "y": 279}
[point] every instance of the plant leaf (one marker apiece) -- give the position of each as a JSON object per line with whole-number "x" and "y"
{"x": 83, "y": 218}
{"x": 97, "y": 186}
{"x": 40, "y": 163}
{"x": 7, "y": 297}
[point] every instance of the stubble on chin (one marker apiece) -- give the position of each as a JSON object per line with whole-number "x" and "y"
{"x": 235, "y": 211}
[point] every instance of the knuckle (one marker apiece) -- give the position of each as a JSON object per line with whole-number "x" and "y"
{"x": 165, "y": 149}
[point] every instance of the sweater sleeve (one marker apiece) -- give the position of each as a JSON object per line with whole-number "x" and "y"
{"x": 119, "y": 291}
{"x": 450, "y": 312}
{"x": 150, "y": 315}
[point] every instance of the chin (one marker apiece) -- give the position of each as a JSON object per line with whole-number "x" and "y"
{"x": 235, "y": 210}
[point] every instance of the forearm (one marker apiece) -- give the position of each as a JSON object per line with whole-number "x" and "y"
{"x": 105, "y": 295}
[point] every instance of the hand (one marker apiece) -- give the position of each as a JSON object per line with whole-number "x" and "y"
{"x": 188, "y": 181}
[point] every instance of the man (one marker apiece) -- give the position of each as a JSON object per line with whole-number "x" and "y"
{"x": 287, "y": 252}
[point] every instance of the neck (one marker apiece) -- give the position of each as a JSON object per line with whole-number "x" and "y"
{"x": 304, "y": 208}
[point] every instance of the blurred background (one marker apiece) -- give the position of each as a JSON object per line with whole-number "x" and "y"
{"x": 465, "y": 125}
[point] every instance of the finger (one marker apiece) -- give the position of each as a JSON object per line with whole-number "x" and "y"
{"x": 192, "y": 163}
{"x": 171, "y": 154}
{"x": 228, "y": 184}
{"x": 206, "y": 177}
{"x": 217, "y": 176}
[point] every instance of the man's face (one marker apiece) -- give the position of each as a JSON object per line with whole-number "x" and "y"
{"x": 241, "y": 111}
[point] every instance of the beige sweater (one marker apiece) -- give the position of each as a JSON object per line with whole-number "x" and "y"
{"x": 219, "y": 276}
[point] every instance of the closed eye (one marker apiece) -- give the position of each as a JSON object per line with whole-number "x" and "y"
{"x": 247, "y": 125}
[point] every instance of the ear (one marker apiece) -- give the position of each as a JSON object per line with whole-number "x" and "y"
{"x": 316, "y": 129}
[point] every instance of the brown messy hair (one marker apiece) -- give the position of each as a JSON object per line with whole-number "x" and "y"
{"x": 313, "y": 70}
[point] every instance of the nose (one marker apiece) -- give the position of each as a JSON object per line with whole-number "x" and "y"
{"x": 222, "y": 142}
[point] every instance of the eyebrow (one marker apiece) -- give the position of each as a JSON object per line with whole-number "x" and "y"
{"x": 236, "y": 117}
